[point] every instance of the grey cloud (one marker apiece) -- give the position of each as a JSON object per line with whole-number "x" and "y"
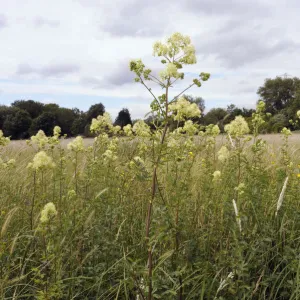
{"x": 56, "y": 70}
{"x": 3, "y": 21}
{"x": 141, "y": 19}
{"x": 236, "y": 49}
{"x": 230, "y": 7}
{"x": 40, "y": 22}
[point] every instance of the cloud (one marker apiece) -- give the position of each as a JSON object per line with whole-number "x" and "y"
{"x": 55, "y": 70}
{"x": 40, "y": 22}
{"x": 3, "y": 21}
{"x": 236, "y": 49}
{"x": 230, "y": 7}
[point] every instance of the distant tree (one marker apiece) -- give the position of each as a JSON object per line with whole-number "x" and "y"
{"x": 46, "y": 122}
{"x": 278, "y": 93}
{"x": 277, "y": 122}
{"x": 95, "y": 111}
{"x": 16, "y": 125}
{"x": 78, "y": 126}
{"x": 6, "y": 111}
{"x": 51, "y": 107}
{"x": 215, "y": 116}
{"x": 34, "y": 108}
{"x": 123, "y": 118}
{"x": 65, "y": 118}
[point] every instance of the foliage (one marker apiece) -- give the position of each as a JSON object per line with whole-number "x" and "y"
{"x": 123, "y": 118}
{"x": 95, "y": 111}
{"x": 17, "y": 125}
{"x": 278, "y": 93}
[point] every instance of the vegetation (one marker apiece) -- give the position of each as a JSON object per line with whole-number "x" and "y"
{"x": 149, "y": 213}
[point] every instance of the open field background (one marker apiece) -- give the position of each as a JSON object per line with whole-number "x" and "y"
{"x": 94, "y": 247}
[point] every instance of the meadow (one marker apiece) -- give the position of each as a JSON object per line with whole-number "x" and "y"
{"x": 167, "y": 212}
{"x": 91, "y": 245}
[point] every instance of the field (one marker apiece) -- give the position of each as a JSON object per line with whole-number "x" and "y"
{"x": 224, "y": 224}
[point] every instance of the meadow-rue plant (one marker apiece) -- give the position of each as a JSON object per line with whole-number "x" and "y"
{"x": 40, "y": 139}
{"x": 76, "y": 145}
{"x": 3, "y": 140}
{"x": 237, "y": 128}
{"x": 182, "y": 109}
{"x": 176, "y": 52}
{"x": 216, "y": 175}
{"x": 41, "y": 161}
{"x": 48, "y": 212}
{"x": 223, "y": 154}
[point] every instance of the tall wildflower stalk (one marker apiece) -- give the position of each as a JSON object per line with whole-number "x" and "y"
{"x": 176, "y": 52}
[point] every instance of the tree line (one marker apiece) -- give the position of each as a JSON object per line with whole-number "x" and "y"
{"x": 24, "y": 118}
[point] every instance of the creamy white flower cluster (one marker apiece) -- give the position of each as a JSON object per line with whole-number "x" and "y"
{"x": 48, "y": 212}
{"x": 41, "y": 161}
{"x": 183, "y": 109}
{"x": 3, "y": 140}
{"x": 76, "y": 145}
{"x": 238, "y": 127}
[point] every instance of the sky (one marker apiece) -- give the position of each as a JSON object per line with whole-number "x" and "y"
{"x": 76, "y": 52}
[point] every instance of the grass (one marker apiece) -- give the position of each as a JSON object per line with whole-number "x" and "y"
{"x": 95, "y": 247}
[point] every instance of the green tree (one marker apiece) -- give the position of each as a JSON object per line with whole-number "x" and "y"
{"x": 16, "y": 125}
{"x": 46, "y": 122}
{"x": 215, "y": 116}
{"x": 78, "y": 126}
{"x": 34, "y": 108}
{"x": 95, "y": 111}
{"x": 278, "y": 93}
{"x": 123, "y": 118}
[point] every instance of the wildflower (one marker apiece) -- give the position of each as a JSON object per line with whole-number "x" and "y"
{"x": 240, "y": 189}
{"x": 116, "y": 129}
{"x": 170, "y": 71}
{"x": 260, "y": 107}
{"x": 298, "y": 175}
{"x": 176, "y": 43}
{"x": 216, "y": 175}
{"x": 57, "y": 131}
{"x": 212, "y": 130}
{"x": 109, "y": 155}
{"x": 280, "y": 199}
{"x": 101, "y": 123}
{"x": 183, "y": 109}
{"x": 76, "y": 145}
{"x": 238, "y": 127}
{"x": 223, "y": 154}
{"x": 48, "y": 212}
{"x": 128, "y": 129}
{"x": 286, "y": 131}
{"x": 189, "y": 127}
{"x": 40, "y": 139}
{"x": 41, "y": 161}
{"x": 298, "y": 114}
{"x": 141, "y": 129}
{"x": 3, "y": 140}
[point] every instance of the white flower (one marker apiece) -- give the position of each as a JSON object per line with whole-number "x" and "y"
{"x": 48, "y": 212}
{"x": 223, "y": 154}
{"x": 216, "y": 175}
{"x": 41, "y": 161}
{"x": 141, "y": 129}
{"x": 183, "y": 109}
{"x": 76, "y": 145}
{"x": 238, "y": 127}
